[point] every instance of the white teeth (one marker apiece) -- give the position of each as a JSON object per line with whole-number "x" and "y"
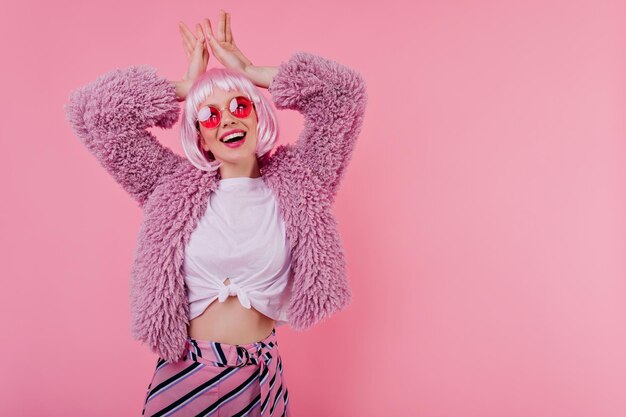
{"x": 234, "y": 135}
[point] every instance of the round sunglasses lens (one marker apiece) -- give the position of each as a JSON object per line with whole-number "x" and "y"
{"x": 241, "y": 106}
{"x": 209, "y": 117}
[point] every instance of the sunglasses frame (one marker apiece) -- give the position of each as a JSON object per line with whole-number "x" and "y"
{"x": 198, "y": 122}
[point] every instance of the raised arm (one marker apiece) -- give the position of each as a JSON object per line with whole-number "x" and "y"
{"x": 110, "y": 116}
{"x": 332, "y": 99}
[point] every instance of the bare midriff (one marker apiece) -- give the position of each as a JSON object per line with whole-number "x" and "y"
{"x": 231, "y": 323}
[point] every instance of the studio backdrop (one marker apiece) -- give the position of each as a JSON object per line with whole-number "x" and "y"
{"x": 482, "y": 213}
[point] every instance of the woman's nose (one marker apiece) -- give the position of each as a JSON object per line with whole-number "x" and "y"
{"x": 227, "y": 118}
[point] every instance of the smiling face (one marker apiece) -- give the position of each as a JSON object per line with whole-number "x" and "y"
{"x": 238, "y": 153}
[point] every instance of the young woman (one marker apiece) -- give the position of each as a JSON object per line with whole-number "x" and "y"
{"x": 234, "y": 242}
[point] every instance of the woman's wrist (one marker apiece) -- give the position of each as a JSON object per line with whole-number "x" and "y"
{"x": 261, "y": 76}
{"x": 181, "y": 88}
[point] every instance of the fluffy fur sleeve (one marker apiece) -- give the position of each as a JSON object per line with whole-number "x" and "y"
{"x": 332, "y": 99}
{"x": 110, "y": 116}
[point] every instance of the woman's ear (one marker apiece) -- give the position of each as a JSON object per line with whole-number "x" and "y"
{"x": 209, "y": 154}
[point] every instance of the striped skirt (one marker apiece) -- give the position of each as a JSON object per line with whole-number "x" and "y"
{"x": 218, "y": 379}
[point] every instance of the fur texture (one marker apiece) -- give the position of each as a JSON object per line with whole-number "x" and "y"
{"x": 110, "y": 116}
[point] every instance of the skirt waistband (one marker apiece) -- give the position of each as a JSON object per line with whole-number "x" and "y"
{"x": 226, "y": 355}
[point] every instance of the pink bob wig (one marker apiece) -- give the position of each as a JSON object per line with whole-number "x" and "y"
{"x": 202, "y": 88}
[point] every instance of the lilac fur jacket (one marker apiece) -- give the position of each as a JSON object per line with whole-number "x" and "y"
{"x": 110, "y": 116}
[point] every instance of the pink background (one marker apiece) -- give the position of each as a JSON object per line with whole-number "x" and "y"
{"x": 483, "y": 213}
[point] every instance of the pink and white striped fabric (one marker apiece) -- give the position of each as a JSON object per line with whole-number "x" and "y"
{"x": 218, "y": 379}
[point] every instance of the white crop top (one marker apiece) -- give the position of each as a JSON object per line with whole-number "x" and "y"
{"x": 241, "y": 236}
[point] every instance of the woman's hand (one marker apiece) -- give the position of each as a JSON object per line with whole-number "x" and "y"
{"x": 223, "y": 45}
{"x": 226, "y": 51}
{"x": 197, "y": 57}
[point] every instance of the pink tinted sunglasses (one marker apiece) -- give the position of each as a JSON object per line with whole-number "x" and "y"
{"x": 240, "y": 107}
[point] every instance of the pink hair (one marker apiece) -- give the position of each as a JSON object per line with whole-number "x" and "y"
{"x": 202, "y": 88}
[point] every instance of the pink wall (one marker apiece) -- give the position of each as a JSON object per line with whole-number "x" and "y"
{"x": 483, "y": 214}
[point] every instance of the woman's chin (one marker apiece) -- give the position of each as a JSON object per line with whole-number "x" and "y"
{"x": 236, "y": 157}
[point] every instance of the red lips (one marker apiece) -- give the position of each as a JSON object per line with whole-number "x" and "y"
{"x": 230, "y": 132}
